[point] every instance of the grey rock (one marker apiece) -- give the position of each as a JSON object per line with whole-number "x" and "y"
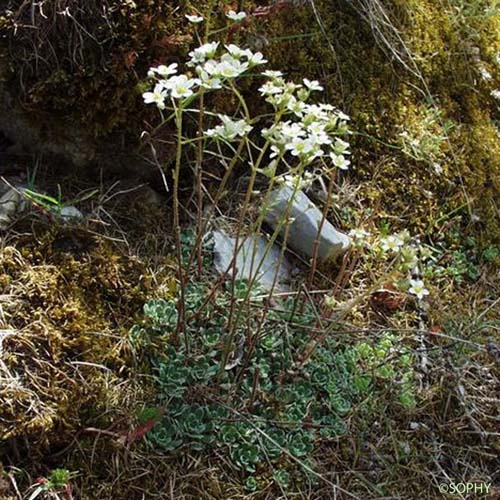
{"x": 70, "y": 212}
{"x": 12, "y": 202}
{"x": 264, "y": 267}
{"x": 304, "y": 221}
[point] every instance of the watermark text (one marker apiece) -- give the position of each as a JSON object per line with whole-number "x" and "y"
{"x": 464, "y": 488}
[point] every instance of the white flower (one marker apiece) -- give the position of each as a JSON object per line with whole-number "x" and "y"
{"x": 296, "y": 181}
{"x": 180, "y": 86}
{"x": 341, "y": 147}
{"x": 228, "y": 67}
{"x": 236, "y": 51}
{"x": 229, "y": 129}
{"x": 291, "y": 130}
{"x": 316, "y": 112}
{"x": 236, "y": 16}
{"x": 342, "y": 116}
{"x": 417, "y": 288}
{"x": 316, "y": 127}
{"x": 437, "y": 168}
{"x": 256, "y": 59}
{"x": 296, "y": 106}
{"x": 209, "y": 67}
{"x": 270, "y": 88}
{"x": 321, "y": 138}
{"x": 359, "y": 234}
{"x": 156, "y": 97}
{"x": 312, "y": 84}
{"x": 485, "y": 74}
{"x": 317, "y": 133}
{"x": 340, "y": 161}
{"x": 163, "y": 70}
{"x": 231, "y": 69}
{"x": 275, "y": 151}
{"x": 391, "y": 243}
{"x": 204, "y": 52}
{"x": 272, "y": 74}
{"x": 194, "y": 19}
{"x": 300, "y": 146}
{"x": 208, "y": 81}
{"x": 495, "y": 94}
{"x": 253, "y": 58}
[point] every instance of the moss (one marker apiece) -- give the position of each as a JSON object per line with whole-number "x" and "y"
{"x": 94, "y": 53}
{"x": 448, "y": 47}
{"x": 72, "y": 299}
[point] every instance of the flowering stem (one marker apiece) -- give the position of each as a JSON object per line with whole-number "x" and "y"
{"x": 231, "y": 326}
{"x": 320, "y": 228}
{"x": 181, "y": 322}
{"x": 199, "y": 180}
{"x": 217, "y": 198}
{"x": 265, "y": 310}
{"x": 243, "y": 212}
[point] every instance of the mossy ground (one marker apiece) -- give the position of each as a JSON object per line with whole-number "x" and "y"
{"x": 73, "y": 294}
{"x": 69, "y": 300}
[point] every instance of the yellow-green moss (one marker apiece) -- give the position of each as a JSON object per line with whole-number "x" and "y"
{"x": 71, "y": 301}
{"x": 447, "y": 48}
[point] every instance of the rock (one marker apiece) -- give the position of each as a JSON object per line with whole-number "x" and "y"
{"x": 264, "y": 266}
{"x": 11, "y": 203}
{"x": 68, "y": 144}
{"x": 305, "y": 221}
{"x": 70, "y": 212}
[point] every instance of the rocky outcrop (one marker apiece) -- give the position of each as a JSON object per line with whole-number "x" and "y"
{"x": 54, "y": 135}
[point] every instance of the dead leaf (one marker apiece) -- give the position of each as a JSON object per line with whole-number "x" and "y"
{"x": 387, "y": 301}
{"x": 129, "y": 59}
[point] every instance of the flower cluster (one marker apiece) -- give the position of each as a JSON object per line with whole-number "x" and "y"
{"x": 309, "y": 131}
{"x": 410, "y": 254}
{"x": 296, "y": 181}
{"x": 211, "y": 72}
{"x": 229, "y": 129}
{"x": 169, "y": 84}
{"x": 304, "y": 131}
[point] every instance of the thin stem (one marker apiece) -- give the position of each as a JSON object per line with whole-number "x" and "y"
{"x": 318, "y": 236}
{"x": 181, "y": 322}
{"x": 199, "y": 187}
